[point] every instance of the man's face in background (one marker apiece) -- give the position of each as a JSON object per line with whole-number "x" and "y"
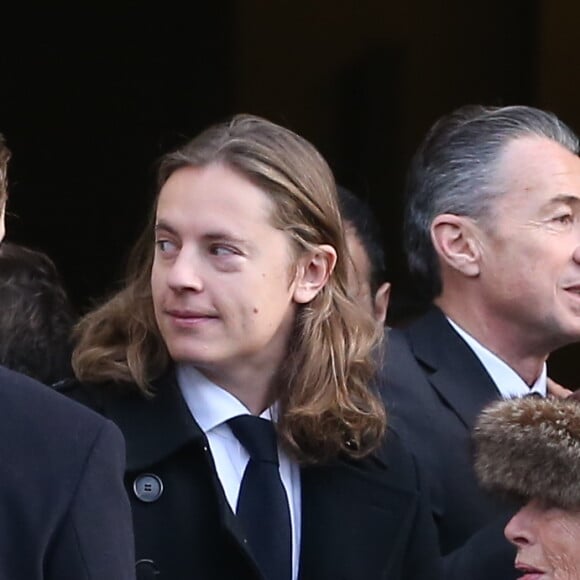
{"x": 360, "y": 275}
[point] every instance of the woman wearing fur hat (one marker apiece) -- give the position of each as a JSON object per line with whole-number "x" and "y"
{"x": 529, "y": 449}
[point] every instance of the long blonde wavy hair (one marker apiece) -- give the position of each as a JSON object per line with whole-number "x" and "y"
{"x": 326, "y": 404}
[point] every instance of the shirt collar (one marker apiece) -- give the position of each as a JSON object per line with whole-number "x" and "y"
{"x": 210, "y": 404}
{"x": 508, "y": 382}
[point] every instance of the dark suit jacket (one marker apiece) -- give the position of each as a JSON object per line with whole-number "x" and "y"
{"x": 434, "y": 386}
{"x": 361, "y": 520}
{"x": 64, "y": 514}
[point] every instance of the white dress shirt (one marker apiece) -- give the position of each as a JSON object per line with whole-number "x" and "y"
{"x": 211, "y": 407}
{"x": 508, "y": 382}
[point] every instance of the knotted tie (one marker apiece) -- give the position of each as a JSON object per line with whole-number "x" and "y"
{"x": 262, "y": 503}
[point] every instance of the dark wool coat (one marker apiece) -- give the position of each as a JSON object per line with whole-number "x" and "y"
{"x": 434, "y": 386}
{"x": 64, "y": 514}
{"x": 361, "y": 520}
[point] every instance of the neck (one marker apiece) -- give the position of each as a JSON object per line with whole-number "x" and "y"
{"x": 512, "y": 344}
{"x": 253, "y": 387}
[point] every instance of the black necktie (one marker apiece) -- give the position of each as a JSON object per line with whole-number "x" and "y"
{"x": 262, "y": 503}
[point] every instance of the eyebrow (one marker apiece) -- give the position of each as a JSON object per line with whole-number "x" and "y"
{"x": 564, "y": 198}
{"x": 210, "y": 236}
{"x": 161, "y": 225}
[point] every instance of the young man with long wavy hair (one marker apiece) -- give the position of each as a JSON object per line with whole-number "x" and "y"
{"x": 236, "y": 306}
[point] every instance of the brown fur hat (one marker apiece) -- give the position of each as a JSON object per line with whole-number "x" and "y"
{"x": 529, "y": 448}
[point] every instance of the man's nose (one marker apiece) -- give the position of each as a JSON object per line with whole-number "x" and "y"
{"x": 185, "y": 272}
{"x": 576, "y": 254}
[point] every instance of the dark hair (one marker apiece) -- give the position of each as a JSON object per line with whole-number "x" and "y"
{"x": 454, "y": 171}
{"x": 36, "y": 317}
{"x": 358, "y": 214}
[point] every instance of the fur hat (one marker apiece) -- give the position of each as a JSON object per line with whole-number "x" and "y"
{"x": 529, "y": 448}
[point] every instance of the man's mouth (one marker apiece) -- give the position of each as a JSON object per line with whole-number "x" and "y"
{"x": 183, "y": 317}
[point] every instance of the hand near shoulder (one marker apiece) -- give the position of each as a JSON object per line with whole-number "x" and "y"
{"x": 556, "y": 390}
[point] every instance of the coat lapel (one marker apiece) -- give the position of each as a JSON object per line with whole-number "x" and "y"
{"x": 154, "y": 427}
{"x": 452, "y": 367}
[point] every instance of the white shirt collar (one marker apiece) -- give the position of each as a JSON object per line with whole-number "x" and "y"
{"x": 210, "y": 404}
{"x": 508, "y": 382}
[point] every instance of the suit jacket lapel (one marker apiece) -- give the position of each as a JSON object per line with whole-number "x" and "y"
{"x": 453, "y": 368}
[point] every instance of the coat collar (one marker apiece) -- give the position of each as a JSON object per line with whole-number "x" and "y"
{"x": 452, "y": 367}
{"x": 154, "y": 427}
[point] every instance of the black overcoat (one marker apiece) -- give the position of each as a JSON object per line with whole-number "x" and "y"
{"x": 361, "y": 520}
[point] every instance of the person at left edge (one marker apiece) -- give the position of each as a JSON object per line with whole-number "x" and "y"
{"x": 36, "y": 317}
{"x": 64, "y": 514}
{"x": 237, "y": 305}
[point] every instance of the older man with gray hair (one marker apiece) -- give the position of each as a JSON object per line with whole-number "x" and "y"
{"x": 492, "y": 234}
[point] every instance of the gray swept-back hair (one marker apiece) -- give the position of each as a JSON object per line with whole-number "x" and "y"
{"x": 454, "y": 171}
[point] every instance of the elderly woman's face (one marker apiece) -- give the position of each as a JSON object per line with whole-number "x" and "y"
{"x": 547, "y": 540}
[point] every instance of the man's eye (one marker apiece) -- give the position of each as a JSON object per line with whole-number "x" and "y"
{"x": 221, "y": 250}
{"x": 165, "y": 246}
{"x": 566, "y": 218}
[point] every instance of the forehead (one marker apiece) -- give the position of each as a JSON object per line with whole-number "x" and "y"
{"x": 537, "y": 167}
{"x": 215, "y": 195}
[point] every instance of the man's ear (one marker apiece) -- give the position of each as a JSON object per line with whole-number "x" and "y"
{"x": 456, "y": 242}
{"x": 314, "y": 269}
{"x": 381, "y": 302}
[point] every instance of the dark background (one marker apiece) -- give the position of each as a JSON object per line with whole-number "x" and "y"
{"x": 90, "y": 97}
